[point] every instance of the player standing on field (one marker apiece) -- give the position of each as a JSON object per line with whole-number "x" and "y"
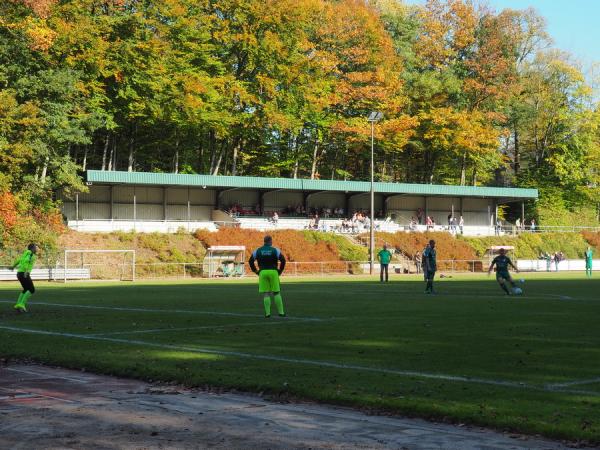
{"x": 271, "y": 264}
{"x": 502, "y": 275}
{"x": 24, "y": 265}
{"x": 429, "y": 266}
{"x": 589, "y": 255}
{"x": 384, "y": 256}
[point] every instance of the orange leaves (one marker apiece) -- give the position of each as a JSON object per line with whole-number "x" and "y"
{"x": 40, "y": 7}
{"x": 448, "y": 29}
{"x": 8, "y": 210}
{"x": 292, "y": 243}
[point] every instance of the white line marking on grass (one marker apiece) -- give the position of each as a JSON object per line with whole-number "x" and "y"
{"x": 329, "y": 364}
{"x": 210, "y": 327}
{"x": 573, "y": 383}
{"x": 162, "y": 311}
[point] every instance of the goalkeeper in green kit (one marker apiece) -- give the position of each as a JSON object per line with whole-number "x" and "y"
{"x": 271, "y": 264}
{"x": 24, "y": 265}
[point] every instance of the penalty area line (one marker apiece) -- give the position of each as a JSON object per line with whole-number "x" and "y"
{"x": 307, "y": 362}
{"x": 161, "y": 311}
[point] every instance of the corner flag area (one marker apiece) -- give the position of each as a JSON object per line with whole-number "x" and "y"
{"x": 528, "y": 363}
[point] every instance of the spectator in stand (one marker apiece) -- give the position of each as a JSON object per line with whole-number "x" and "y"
{"x": 532, "y": 225}
{"x": 518, "y": 224}
{"x": 275, "y": 218}
{"x": 317, "y": 221}
{"x": 413, "y": 224}
{"x": 450, "y": 222}
{"x": 461, "y": 224}
{"x": 498, "y": 227}
{"x": 429, "y": 223}
{"x": 420, "y": 216}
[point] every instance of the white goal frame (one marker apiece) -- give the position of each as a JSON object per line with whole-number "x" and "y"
{"x": 82, "y": 252}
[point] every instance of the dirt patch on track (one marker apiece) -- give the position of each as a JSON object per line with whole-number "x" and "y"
{"x": 42, "y": 407}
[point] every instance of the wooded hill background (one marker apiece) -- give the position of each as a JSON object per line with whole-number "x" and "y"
{"x": 470, "y": 95}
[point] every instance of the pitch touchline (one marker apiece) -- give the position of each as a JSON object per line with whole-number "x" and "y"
{"x": 406, "y": 373}
{"x": 175, "y": 311}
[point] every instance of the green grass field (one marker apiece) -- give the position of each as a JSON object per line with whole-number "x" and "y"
{"x": 528, "y": 363}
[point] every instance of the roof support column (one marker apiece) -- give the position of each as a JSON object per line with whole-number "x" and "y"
{"x": 165, "y": 203}
{"x": 112, "y": 202}
{"x": 461, "y": 207}
{"x": 347, "y": 205}
{"x": 189, "y": 212}
{"x": 262, "y": 203}
{"x": 523, "y": 214}
{"x": 426, "y": 208}
{"x": 134, "y": 209}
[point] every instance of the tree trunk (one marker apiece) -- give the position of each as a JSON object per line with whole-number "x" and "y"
{"x": 44, "y": 169}
{"x": 313, "y": 169}
{"x": 212, "y": 148}
{"x": 131, "y": 159}
{"x": 176, "y": 156}
{"x": 201, "y": 158}
{"x": 85, "y": 155}
{"x": 517, "y": 159}
{"x": 463, "y": 169}
{"x": 234, "y": 158}
{"x": 219, "y": 159}
{"x": 112, "y": 161}
{"x": 105, "y": 151}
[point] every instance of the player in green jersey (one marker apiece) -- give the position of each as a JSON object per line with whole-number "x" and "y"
{"x": 502, "y": 262}
{"x": 384, "y": 256}
{"x": 271, "y": 264}
{"x": 429, "y": 266}
{"x": 589, "y": 256}
{"x": 24, "y": 265}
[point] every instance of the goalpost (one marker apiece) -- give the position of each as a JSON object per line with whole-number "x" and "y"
{"x": 99, "y": 264}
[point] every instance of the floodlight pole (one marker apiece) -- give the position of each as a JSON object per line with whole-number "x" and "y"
{"x": 373, "y": 117}
{"x": 372, "y": 230}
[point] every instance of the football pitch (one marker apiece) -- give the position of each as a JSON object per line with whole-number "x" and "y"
{"x": 527, "y": 363}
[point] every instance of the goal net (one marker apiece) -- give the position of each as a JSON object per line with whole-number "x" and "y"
{"x": 99, "y": 265}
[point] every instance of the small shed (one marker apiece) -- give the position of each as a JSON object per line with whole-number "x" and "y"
{"x": 224, "y": 261}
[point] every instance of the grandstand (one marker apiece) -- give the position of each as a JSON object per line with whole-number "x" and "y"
{"x": 164, "y": 202}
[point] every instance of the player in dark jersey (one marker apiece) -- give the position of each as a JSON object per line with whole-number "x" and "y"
{"x": 502, "y": 262}
{"x": 429, "y": 266}
{"x": 271, "y": 264}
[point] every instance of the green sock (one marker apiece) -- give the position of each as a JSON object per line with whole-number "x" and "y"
{"x": 279, "y": 303}
{"x": 20, "y": 298}
{"x": 267, "y": 302}
{"x": 25, "y": 297}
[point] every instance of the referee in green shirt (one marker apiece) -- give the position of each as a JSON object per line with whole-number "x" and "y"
{"x": 271, "y": 264}
{"x": 384, "y": 256}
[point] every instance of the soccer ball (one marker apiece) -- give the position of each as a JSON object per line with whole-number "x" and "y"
{"x": 521, "y": 281}
{"x": 517, "y": 291}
